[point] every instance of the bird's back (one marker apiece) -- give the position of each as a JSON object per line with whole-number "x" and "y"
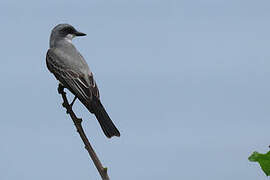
{"x": 70, "y": 57}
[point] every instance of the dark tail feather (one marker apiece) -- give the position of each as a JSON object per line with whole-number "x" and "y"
{"x": 104, "y": 120}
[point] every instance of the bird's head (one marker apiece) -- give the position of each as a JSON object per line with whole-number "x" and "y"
{"x": 65, "y": 31}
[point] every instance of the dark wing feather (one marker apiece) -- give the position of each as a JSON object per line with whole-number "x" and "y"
{"x": 76, "y": 82}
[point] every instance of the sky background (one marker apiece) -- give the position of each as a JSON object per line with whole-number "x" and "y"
{"x": 186, "y": 82}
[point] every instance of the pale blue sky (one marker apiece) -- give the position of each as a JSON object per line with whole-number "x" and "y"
{"x": 186, "y": 82}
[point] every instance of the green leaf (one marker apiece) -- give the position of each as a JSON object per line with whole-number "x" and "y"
{"x": 263, "y": 160}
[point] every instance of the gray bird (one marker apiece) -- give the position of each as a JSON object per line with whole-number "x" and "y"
{"x": 70, "y": 68}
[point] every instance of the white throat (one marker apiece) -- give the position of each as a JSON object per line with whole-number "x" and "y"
{"x": 69, "y": 37}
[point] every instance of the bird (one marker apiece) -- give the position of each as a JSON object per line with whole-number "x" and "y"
{"x": 69, "y": 67}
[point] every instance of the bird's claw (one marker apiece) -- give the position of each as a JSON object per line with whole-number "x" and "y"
{"x": 73, "y": 101}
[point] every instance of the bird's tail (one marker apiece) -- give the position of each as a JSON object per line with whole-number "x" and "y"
{"x": 104, "y": 120}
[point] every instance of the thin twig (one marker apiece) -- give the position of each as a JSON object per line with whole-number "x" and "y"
{"x": 77, "y": 122}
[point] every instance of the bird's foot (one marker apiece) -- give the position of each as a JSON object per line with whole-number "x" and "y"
{"x": 71, "y": 104}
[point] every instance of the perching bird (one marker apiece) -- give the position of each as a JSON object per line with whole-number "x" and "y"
{"x": 70, "y": 68}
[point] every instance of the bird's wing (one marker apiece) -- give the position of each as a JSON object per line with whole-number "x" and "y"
{"x": 81, "y": 85}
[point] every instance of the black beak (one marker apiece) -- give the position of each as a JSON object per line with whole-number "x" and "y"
{"x": 77, "y": 33}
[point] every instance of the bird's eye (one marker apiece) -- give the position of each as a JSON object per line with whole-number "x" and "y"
{"x": 69, "y": 30}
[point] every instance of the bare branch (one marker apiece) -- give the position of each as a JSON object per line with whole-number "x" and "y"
{"x": 77, "y": 122}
